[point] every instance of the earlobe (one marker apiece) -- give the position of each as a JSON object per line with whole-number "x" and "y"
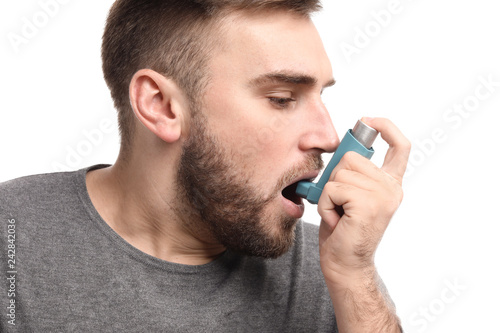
{"x": 158, "y": 103}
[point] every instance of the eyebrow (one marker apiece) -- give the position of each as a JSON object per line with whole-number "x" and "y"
{"x": 288, "y": 78}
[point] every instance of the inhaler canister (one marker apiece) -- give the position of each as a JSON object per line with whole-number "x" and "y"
{"x": 358, "y": 139}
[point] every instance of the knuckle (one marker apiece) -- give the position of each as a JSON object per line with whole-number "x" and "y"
{"x": 350, "y": 157}
{"x": 329, "y": 187}
{"x": 340, "y": 176}
{"x": 406, "y": 145}
{"x": 353, "y": 161}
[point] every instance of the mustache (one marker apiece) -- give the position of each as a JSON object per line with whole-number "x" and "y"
{"x": 312, "y": 162}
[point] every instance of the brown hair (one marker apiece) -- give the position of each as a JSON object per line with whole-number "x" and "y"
{"x": 172, "y": 37}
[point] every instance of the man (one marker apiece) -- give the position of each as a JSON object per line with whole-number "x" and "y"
{"x": 196, "y": 227}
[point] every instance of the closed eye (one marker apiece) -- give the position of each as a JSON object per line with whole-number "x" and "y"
{"x": 281, "y": 102}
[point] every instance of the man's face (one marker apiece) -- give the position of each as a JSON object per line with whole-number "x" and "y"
{"x": 260, "y": 129}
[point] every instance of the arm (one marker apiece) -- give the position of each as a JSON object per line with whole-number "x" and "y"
{"x": 356, "y": 206}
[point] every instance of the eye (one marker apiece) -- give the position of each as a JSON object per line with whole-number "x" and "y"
{"x": 281, "y": 102}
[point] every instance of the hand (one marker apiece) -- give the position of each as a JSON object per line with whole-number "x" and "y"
{"x": 357, "y": 204}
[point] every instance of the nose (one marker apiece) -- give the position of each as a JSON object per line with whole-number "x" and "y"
{"x": 318, "y": 130}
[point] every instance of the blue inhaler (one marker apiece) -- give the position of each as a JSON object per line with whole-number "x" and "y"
{"x": 359, "y": 139}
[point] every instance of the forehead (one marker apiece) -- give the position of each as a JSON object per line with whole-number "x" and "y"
{"x": 259, "y": 43}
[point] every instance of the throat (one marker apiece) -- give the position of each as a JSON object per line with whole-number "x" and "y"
{"x": 175, "y": 246}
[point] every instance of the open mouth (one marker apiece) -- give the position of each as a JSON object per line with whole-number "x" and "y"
{"x": 289, "y": 194}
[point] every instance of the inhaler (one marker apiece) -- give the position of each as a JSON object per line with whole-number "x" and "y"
{"x": 358, "y": 139}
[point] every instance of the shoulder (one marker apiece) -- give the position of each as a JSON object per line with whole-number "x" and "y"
{"x": 31, "y": 185}
{"x": 39, "y": 190}
{"x": 27, "y": 182}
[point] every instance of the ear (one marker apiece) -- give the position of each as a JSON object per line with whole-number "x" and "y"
{"x": 159, "y": 104}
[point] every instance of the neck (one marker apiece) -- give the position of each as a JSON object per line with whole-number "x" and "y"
{"x": 145, "y": 210}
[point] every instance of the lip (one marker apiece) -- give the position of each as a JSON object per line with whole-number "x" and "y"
{"x": 296, "y": 210}
{"x": 310, "y": 176}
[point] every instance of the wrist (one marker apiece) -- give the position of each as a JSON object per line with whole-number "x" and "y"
{"x": 340, "y": 279}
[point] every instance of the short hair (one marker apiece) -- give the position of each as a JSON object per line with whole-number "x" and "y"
{"x": 172, "y": 37}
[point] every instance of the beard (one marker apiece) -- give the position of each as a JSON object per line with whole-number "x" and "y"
{"x": 217, "y": 193}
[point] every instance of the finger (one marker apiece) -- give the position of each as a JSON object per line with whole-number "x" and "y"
{"x": 358, "y": 163}
{"x": 336, "y": 195}
{"x": 327, "y": 208}
{"x": 398, "y": 153}
{"x": 354, "y": 178}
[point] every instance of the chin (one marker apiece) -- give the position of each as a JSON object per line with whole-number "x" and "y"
{"x": 272, "y": 242}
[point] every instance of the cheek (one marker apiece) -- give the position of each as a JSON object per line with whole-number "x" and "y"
{"x": 259, "y": 139}
{"x": 263, "y": 142}
{"x": 266, "y": 155}
{"x": 261, "y": 135}
{"x": 258, "y": 151}
{"x": 230, "y": 115}
{"x": 241, "y": 124}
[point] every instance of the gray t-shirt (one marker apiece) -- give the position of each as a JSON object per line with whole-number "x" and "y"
{"x": 68, "y": 271}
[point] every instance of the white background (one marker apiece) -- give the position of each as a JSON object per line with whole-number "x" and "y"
{"x": 439, "y": 257}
